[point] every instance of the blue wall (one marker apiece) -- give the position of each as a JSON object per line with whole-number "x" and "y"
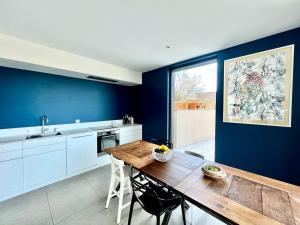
{"x": 155, "y": 101}
{"x": 27, "y": 95}
{"x": 266, "y": 150}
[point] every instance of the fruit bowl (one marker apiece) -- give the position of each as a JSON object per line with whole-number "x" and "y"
{"x": 162, "y": 153}
{"x": 213, "y": 171}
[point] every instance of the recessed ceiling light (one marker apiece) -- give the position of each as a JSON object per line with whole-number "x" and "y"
{"x": 168, "y": 46}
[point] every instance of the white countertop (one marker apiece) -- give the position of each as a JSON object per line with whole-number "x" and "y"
{"x": 15, "y": 138}
{"x": 12, "y": 139}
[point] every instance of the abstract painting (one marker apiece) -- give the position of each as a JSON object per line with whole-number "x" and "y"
{"x": 258, "y": 88}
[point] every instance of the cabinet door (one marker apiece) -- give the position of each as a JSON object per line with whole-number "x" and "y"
{"x": 11, "y": 176}
{"x": 130, "y": 134}
{"x": 81, "y": 152}
{"x": 91, "y": 150}
{"x": 129, "y": 139}
{"x": 43, "y": 168}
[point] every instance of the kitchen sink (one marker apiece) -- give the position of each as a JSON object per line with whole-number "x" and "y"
{"x": 43, "y": 135}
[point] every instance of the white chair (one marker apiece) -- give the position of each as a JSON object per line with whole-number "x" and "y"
{"x": 118, "y": 176}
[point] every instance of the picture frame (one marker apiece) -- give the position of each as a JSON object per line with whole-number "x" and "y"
{"x": 258, "y": 88}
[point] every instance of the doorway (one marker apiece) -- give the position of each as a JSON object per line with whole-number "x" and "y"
{"x": 193, "y": 108}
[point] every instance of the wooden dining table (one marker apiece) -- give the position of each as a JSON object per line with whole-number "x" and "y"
{"x": 240, "y": 198}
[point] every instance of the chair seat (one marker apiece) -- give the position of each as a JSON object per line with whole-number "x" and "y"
{"x": 171, "y": 201}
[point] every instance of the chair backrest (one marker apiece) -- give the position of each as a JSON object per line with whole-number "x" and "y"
{"x": 143, "y": 188}
{"x": 117, "y": 167}
{"x": 194, "y": 154}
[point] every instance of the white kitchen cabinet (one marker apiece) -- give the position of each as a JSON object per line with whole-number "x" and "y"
{"x": 5, "y": 156}
{"x": 10, "y": 146}
{"x": 42, "y": 168}
{"x": 44, "y": 160}
{"x": 11, "y": 168}
{"x": 81, "y": 151}
{"x": 10, "y": 150}
{"x": 43, "y": 149}
{"x": 130, "y": 134}
{"x": 11, "y": 176}
{"x": 37, "y": 142}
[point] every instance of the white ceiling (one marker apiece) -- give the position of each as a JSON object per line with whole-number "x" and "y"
{"x": 134, "y": 33}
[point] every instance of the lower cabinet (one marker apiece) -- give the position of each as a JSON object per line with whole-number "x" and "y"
{"x": 82, "y": 152}
{"x": 43, "y": 168}
{"x": 33, "y": 163}
{"x": 11, "y": 176}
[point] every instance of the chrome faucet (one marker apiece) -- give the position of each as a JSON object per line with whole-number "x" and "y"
{"x": 44, "y": 120}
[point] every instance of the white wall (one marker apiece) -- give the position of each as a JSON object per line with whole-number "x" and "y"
{"x": 17, "y": 53}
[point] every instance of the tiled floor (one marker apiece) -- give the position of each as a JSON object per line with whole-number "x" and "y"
{"x": 80, "y": 200}
{"x": 205, "y": 148}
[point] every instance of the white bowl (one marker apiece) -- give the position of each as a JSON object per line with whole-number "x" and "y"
{"x": 162, "y": 157}
{"x": 220, "y": 174}
{"x": 215, "y": 177}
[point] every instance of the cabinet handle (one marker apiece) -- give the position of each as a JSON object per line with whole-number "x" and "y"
{"x": 88, "y": 135}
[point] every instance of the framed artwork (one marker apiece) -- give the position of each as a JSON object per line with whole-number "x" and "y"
{"x": 258, "y": 88}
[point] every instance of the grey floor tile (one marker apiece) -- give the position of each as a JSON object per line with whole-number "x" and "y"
{"x": 69, "y": 196}
{"x": 140, "y": 216}
{"x": 199, "y": 217}
{"x": 92, "y": 215}
{"x": 28, "y": 209}
{"x": 99, "y": 179}
{"x": 113, "y": 206}
{"x": 75, "y": 202}
{"x": 202, "y": 218}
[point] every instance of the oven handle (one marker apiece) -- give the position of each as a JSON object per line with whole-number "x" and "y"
{"x": 106, "y": 136}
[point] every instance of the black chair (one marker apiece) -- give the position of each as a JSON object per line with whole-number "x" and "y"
{"x": 170, "y": 145}
{"x": 154, "y": 198}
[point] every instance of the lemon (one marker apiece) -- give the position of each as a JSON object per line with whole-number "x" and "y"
{"x": 164, "y": 147}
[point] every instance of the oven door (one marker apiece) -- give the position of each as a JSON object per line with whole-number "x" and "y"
{"x": 107, "y": 141}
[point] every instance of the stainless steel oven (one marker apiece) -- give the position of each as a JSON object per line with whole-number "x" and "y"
{"x": 107, "y": 139}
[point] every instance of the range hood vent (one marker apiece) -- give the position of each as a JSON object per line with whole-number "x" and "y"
{"x": 102, "y": 79}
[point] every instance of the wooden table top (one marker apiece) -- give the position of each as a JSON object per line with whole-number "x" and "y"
{"x": 241, "y": 198}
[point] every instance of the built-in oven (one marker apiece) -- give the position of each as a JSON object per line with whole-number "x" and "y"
{"x": 107, "y": 139}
